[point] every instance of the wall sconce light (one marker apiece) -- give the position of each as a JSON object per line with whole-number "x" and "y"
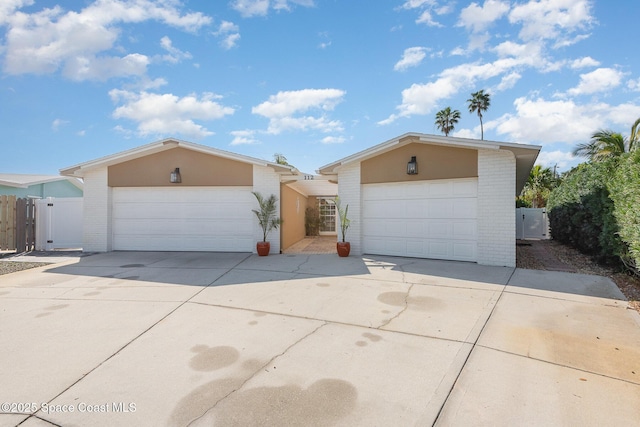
{"x": 412, "y": 166}
{"x": 175, "y": 177}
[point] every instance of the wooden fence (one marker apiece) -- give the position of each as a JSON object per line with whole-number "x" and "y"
{"x": 17, "y": 224}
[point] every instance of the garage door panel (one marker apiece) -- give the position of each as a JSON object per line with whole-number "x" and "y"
{"x": 467, "y": 188}
{"x": 429, "y": 219}
{"x": 464, "y": 230}
{"x": 183, "y": 219}
{"x": 464, "y": 208}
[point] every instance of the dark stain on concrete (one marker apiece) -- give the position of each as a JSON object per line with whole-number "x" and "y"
{"x": 213, "y": 358}
{"x": 44, "y": 314}
{"x": 324, "y": 403}
{"x": 252, "y": 364}
{"x": 132, "y": 265}
{"x": 323, "y": 285}
{"x": 397, "y": 299}
{"x": 201, "y": 399}
{"x": 131, "y": 278}
{"x": 361, "y": 343}
{"x": 253, "y": 322}
{"x": 4, "y": 292}
{"x": 421, "y": 303}
{"x": 372, "y": 337}
{"x": 57, "y": 307}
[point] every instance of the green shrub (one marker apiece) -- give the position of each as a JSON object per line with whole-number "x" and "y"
{"x": 625, "y": 193}
{"x": 581, "y": 213}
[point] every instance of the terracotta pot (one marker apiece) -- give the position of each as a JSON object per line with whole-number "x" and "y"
{"x": 263, "y": 248}
{"x": 343, "y": 248}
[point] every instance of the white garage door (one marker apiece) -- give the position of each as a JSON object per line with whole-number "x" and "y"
{"x": 425, "y": 219}
{"x": 183, "y": 219}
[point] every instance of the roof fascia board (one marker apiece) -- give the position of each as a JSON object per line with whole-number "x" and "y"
{"x": 166, "y": 144}
{"x": 13, "y": 184}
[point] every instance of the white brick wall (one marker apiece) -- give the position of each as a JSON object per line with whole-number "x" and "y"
{"x": 266, "y": 181}
{"x": 496, "y": 208}
{"x": 349, "y": 193}
{"x": 96, "y": 231}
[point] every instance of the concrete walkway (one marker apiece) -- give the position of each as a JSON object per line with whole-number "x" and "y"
{"x": 151, "y": 339}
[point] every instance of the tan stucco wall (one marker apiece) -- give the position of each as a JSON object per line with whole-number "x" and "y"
{"x": 292, "y": 207}
{"x": 434, "y": 162}
{"x": 197, "y": 169}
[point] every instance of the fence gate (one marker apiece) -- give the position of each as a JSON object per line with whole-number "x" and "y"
{"x": 25, "y": 225}
{"x": 59, "y": 223}
{"x": 17, "y": 224}
{"x": 7, "y": 223}
{"x": 532, "y": 223}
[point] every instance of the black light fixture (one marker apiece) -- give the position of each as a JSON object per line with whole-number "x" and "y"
{"x": 412, "y": 166}
{"x": 175, "y": 177}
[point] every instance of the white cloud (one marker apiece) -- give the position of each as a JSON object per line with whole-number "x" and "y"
{"x": 57, "y": 123}
{"x": 552, "y": 19}
{"x": 249, "y": 8}
{"x": 230, "y": 34}
{"x": 508, "y": 81}
{"x": 599, "y": 80}
{"x": 563, "y": 159}
{"x": 157, "y": 114}
{"x": 634, "y": 85}
{"x": 477, "y": 18}
{"x": 174, "y": 55}
{"x": 423, "y": 98}
{"x": 51, "y": 39}
{"x": 426, "y": 18}
{"x": 415, "y": 4}
{"x": 333, "y": 140}
{"x": 560, "y": 121}
{"x": 412, "y": 57}
{"x": 8, "y": 8}
{"x": 103, "y": 68}
{"x": 285, "y": 110}
{"x": 584, "y": 62}
{"x": 244, "y": 137}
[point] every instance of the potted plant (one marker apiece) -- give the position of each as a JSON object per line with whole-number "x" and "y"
{"x": 343, "y": 247}
{"x": 267, "y": 219}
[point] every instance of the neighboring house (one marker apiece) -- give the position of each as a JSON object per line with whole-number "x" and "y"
{"x": 39, "y": 186}
{"x": 460, "y": 205}
{"x": 130, "y": 202}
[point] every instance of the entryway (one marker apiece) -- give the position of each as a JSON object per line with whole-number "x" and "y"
{"x": 313, "y": 245}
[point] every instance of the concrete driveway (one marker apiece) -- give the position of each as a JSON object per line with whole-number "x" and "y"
{"x": 150, "y": 339}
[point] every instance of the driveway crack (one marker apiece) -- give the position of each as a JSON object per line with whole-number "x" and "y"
{"x": 263, "y": 367}
{"x": 406, "y": 305}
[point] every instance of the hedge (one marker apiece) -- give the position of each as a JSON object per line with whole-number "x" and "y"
{"x": 625, "y": 193}
{"x": 581, "y": 212}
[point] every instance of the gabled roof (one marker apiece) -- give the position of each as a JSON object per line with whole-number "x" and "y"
{"x": 18, "y": 180}
{"x": 167, "y": 144}
{"x": 525, "y": 155}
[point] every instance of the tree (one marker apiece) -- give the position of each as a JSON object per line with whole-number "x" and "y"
{"x": 604, "y": 144}
{"x": 633, "y": 139}
{"x": 447, "y": 119}
{"x": 280, "y": 159}
{"x": 478, "y": 103}
{"x": 537, "y": 189}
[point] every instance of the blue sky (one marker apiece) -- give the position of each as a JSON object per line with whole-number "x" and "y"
{"x": 315, "y": 80}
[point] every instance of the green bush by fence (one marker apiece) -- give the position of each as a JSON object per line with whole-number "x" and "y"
{"x": 625, "y": 193}
{"x": 596, "y": 209}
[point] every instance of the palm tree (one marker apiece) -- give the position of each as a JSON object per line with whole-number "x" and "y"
{"x": 479, "y": 102}
{"x": 280, "y": 159}
{"x": 447, "y": 119}
{"x": 537, "y": 189}
{"x": 633, "y": 139}
{"x": 604, "y": 144}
